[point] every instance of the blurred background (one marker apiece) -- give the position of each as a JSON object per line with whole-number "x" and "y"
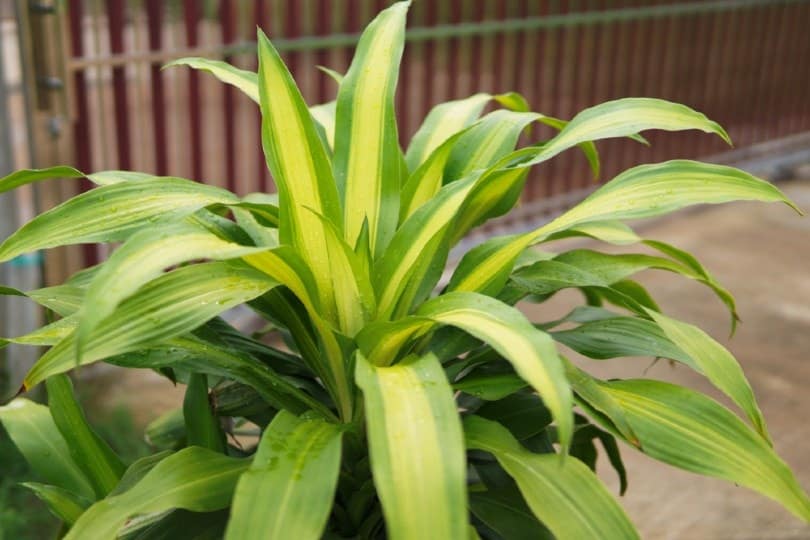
{"x": 81, "y": 84}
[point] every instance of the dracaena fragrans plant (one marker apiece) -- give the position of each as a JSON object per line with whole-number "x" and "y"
{"x": 388, "y": 408}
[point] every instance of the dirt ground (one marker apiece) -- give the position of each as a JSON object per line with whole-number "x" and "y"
{"x": 762, "y": 254}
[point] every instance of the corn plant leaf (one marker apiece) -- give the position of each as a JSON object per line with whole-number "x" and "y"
{"x": 442, "y": 122}
{"x": 142, "y": 258}
{"x": 285, "y": 266}
{"x": 193, "y": 479}
{"x": 196, "y": 353}
{"x": 246, "y": 81}
{"x": 47, "y": 335}
{"x": 300, "y": 166}
{"x": 289, "y": 488}
{"x": 367, "y": 160}
{"x": 530, "y": 351}
{"x": 34, "y": 433}
{"x": 621, "y": 118}
{"x": 643, "y": 191}
{"x": 406, "y": 261}
{"x": 63, "y": 300}
{"x": 507, "y": 514}
{"x": 202, "y": 427}
{"x": 490, "y": 387}
{"x": 565, "y": 496}
{"x": 100, "y": 464}
{"x": 29, "y": 176}
{"x": 686, "y": 429}
{"x": 168, "y": 306}
{"x": 587, "y": 389}
{"x": 140, "y": 467}
{"x": 62, "y": 503}
{"x": 621, "y": 336}
{"x": 425, "y": 182}
{"x": 487, "y": 141}
{"x": 416, "y": 446}
{"x": 111, "y": 213}
{"x": 716, "y": 363}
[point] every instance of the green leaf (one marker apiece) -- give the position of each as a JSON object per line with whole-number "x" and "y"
{"x": 202, "y": 427}
{"x": 522, "y": 413}
{"x": 719, "y": 366}
{"x": 34, "y": 433}
{"x": 488, "y": 140}
{"x": 399, "y": 275}
{"x": 529, "y": 350}
{"x": 142, "y": 258}
{"x": 289, "y": 488}
{"x": 29, "y": 176}
{"x": 367, "y": 160}
{"x": 111, "y": 213}
{"x": 63, "y": 504}
{"x": 417, "y": 449}
{"x": 196, "y": 354}
{"x": 693, "y": 432}
{"x": 62, "y": 299}
{"x": 327, "y": 361}
{"x": 594, "y": 398}
{"x": 246, "y": 81}
{"x": 622, "y": 118}
{"x": 168, "y": 306}
{"x": 425, "y": 182}
{"x": 48, "y": 335}
{"x": 140, "y": 467}
{"x": 507, "y": 515}
{"x": 621, "y": 336}
{"x": 566, "y": 496}
{"x": 194, "y": 479}
{"x": 300, "y": 166}
{"x": 643, "y": 191}
{"x": 490, "y": 387}
{"x": 442, "y": 122}
{"x": 99, "y": 463}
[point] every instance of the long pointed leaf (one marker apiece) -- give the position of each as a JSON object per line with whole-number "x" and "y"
{"x": 289, "y": 488}
{"x": 300, "y": 166}
{"x": 714, "y": 361}
{"x": 169, "y": 306}
{"x": 567, "y": 497}
{"x": 246, "y": 81}
{"x": 111, "y": 213}
{"x": 367, "y": 159}
{"x": 193, "y": 479}
{"x": 693, "y": 432}
{"x": 63, "y": 504}
{"x": 643, "y": 191}
{"x": 34, "y": 433}
{"x": 100, "y": 464}
{"x": 142, "y": 258}
{"x": 417, "y": 449}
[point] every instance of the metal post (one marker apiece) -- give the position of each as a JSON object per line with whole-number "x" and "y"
{"x": 17, "y": 315}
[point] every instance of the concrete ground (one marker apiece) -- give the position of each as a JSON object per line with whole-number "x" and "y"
{"x": 762, "y": 254}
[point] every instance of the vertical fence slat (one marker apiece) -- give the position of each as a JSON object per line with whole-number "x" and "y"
{"x": 260, "y": 17}
{"x": 81, "y": 124}
{"x": 115, "y": 14}
{"x": 191, "y": 12}
{"x": 154, "y": 14}
{"x": 228, "y": 29}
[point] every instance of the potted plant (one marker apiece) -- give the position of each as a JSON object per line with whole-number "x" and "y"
{"x": 391, "y": 409}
